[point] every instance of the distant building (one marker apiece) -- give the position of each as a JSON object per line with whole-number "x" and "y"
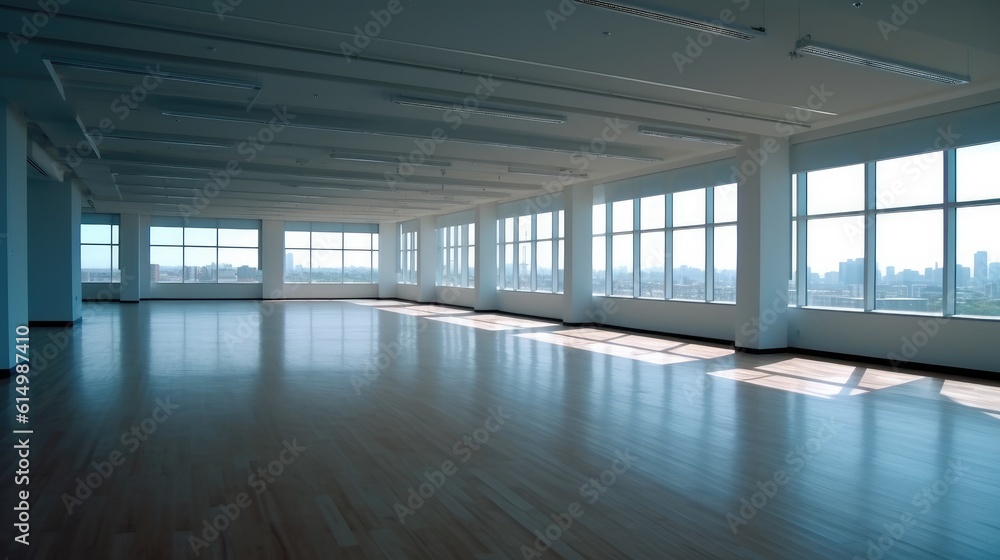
{"x": 852, "y": 272}
{"x": 980, "y": 269}
{"x": 890, "y": 273}
{"x": 963, "y": 276}
{"x": 289, "y": 262}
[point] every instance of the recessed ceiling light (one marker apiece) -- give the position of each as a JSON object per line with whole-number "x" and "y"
{"x": 806, "y": 45}
{"x": 478, "y": 110}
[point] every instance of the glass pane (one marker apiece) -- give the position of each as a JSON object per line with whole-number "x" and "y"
{"x": 561, "y": 268}
{"x": 689, "y": 208}
{"x": 543, "y": 273}
{"x": 508, "y": 230}
{"x": 835, "y": 262}
{"x": 841, "y": 189}
{"x": 689, "y": 264}
{"x": 622, "y": 216}
{"x": 600, "y": 219}
{"x": 653, "y": 265}
{"x": 358, "y": 241}
{"x": 471, "y": 277}
{"x": 622, "y": 271}
{"x": 114, "y": 234}
{"x": 201, "y": 237}
{"x": 912, "y": 244}
{"x": 562, "y": 224}
{"x": 327, "y": 240}
{"x": 524, "y": 266}
{"x": 508, "y": 274}
{"x": 725, "y": 204}
{"x": 793, "y": 288}
{"x": 976, "y": 172}
{"x": 95, "y": 262}
{"x": 978, "y": 256}
{"x": 200, "y": 264}
{"x": 238, "y": 265}
{"x": 910, "y": 181}
{"x": 725, "y": 264}
{"x": 297, "y": 265}
{"x": 524, "y": 228}
{"x": 239, "y": 237}
{"x": 327, "y": 266}
{"x": 375, "y": 278}
{"x": 95, "y": 233}
{"x": 599, "y": 258}
{"x": 296, "y": 239}
{"x": 166, "y": 236}
{"x": 166, "y": 264}
{"x": 358, "y": 265}
{"x": 795, "y": 195}
{"x": 652, "y": 212}
{"x": 375, "y": 241}
{"x": 543, "y": 226}
{"x": 116, "y": 271}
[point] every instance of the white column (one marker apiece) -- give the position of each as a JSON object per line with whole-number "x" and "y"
{"x": 272, "y": 258}
{"x": 427, "y": 255}
{"x": 388, "y": 259}
{"x": 143, "y": 279}
{"x": 764, "y": 233}
{"x": 130, "y": 249}
{"x": 13, "y": 232}
{"x": 54, "y": 253}
{"x": 578, "y": 298}
{"x": 486, "y": 257}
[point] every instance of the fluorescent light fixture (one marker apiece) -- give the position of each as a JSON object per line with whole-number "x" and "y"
{"x": 806, "y": 45}
{"x": 647, "y": 131}
{"x": 717, "y": 26}
{"x": 546, "y": 172}
{"x": 388, "y": 159}
{"x": 479, "y": 110}
{"x": 306, "y": 126}
{"x": 192, "y": 143}
{"x": 137, "y": 71}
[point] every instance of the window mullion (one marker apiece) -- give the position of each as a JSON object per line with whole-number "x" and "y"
{"x": 948, "y": 280}
{"x": 870, "y": 286}
{"x": 668, "y": 247}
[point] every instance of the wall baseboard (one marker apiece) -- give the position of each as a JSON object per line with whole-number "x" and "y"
{"x": 44, "y": 324}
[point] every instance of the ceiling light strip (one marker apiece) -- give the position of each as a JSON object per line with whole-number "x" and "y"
{"x": 173, "y": 76}
{"x": 716, "y": 27}
{"x": 806, "y": 45}
{"x": 657, "y": 133}
{"x": 480, "y": 110}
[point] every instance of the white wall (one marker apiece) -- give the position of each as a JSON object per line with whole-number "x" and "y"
{"x": 325, "y": 291}
{"x": 462, "y": 297}
{"x": 14, "y": 227}
{"x": 54, "y": 275}
{"x": 963, "y": 343}
{"x": 206, "y": 291}
{"x": 549, "y": 306}
{"x": 706, "y": 320}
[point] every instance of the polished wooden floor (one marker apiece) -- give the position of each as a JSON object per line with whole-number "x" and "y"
{"x": 728, "y": 455}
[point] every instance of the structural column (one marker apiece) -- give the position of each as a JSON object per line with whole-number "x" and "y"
{"x": 13, "y": 232}
{"x": 427, "y": 259}
{"x": 486, "y": 257}
{"x": 272, "y": 258}
{"x": 578, "y": 288}
{"x": 764, "y": 233}
{"x": 388, "y": 259}
{"x": 130, "y": 258}
{"x": 54, "y": 253}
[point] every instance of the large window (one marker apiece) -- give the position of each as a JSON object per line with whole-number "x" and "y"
{"x": 99, "y": 248}
{"x": 328, "y": 253}
{"x": 457, "y": 249}
{"x": 669, "y": 246}
{"x": 204, "y": 251}
{"x": 902, "y": 234}
{"x": 407, "y": 273}
{"x": 530, "y": 258}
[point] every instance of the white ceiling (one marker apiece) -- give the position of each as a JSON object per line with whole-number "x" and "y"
{"x": 590, "y": 66}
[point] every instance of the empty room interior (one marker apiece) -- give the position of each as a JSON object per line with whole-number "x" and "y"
{"x": 540, "y": 279}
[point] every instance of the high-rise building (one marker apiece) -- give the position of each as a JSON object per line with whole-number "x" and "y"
{"x": 890, "y": 273}
{"x": 980, "y": 270}
{"x": 852, "y": 271}
{"x": 963, "y": 276}
{"x": 289, "y": 262}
